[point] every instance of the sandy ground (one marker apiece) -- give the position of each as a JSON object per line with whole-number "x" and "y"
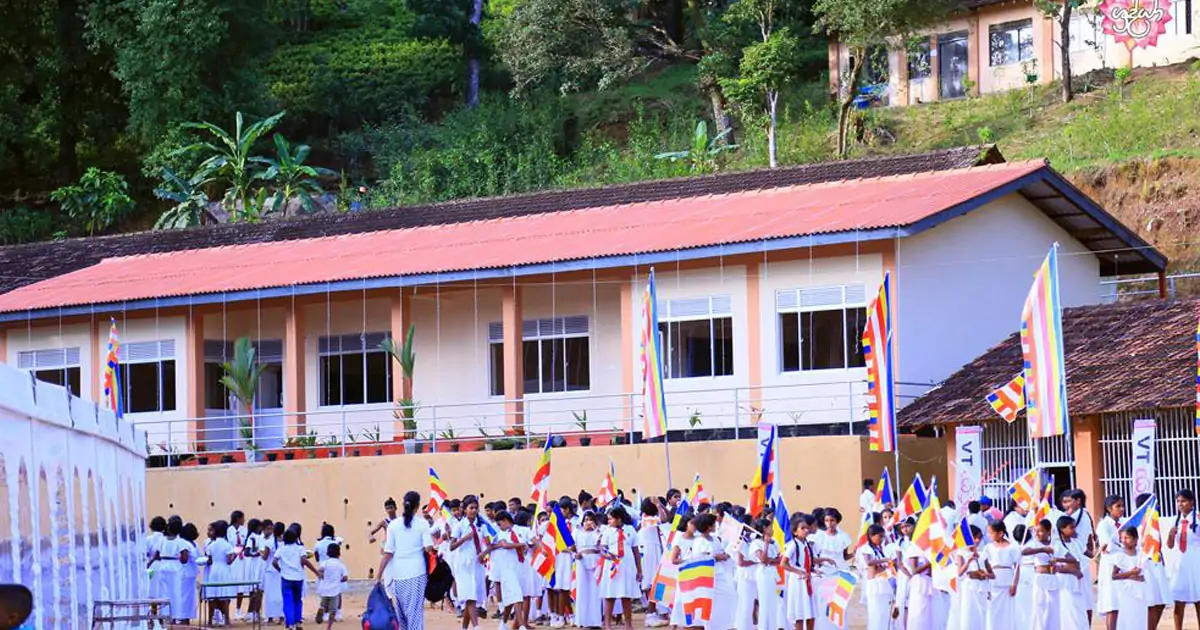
{"x": 354, "y": 602}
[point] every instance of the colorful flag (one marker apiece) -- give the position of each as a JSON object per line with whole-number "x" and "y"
{"x": 883, "y": 492}
{"x": 541, "y": 478}
{"x": 878, "y": 350}
{"x": 654, "y": 402}
{"x": 781, "y": 529}
{"x": 1138, "y": 518}
{"x": 839, "y": 599}
{"x": 696, "y": 583}
{"x": 699, "y": 494}
{"x": 1044, "y": 507}
{"x": 560, "y": 528}
{"x": 762, "y": 487}
{"x": 1150, "y": 534}
{"x": 437, "y": 492}
{"x": 665, "y": 582}
{"x": 1042, "y": 346}
{"x": 112, "y": 373}
{"x": 543, "y": 560}
{"x": 1026, "y": 489}
{"x": 913, "y": 501}
{"x": 930, "y": 533}
{"x": 962, "y": 535}
{"x": 608, "y": 486}
{"x": 1009, "y": 400}
{"x": 867, "y": 517}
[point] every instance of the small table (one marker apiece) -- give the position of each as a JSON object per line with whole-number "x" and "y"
{"x": 107, "y": 613}
{"x": 255, "y": 587}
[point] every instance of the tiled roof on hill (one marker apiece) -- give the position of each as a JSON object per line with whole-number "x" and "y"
{"x": 39, "y": 261}
{"x": 1120, "y": 357}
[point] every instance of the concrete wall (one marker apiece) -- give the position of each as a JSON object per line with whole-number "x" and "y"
{"x": 349, "y": 493}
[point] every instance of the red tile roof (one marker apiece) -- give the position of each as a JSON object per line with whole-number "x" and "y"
{"x": 597, "y": 232}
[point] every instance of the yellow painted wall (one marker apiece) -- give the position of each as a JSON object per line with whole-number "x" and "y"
{"x": 349, "y": 493}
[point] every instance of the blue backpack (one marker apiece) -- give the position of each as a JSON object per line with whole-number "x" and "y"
{"x": 379, "y": 615}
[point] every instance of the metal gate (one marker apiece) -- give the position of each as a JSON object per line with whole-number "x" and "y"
{"x": 1176, "y": 454}
{"x": 1006, "y": 455}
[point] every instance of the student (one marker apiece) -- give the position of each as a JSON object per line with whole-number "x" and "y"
{"x": 1108, "y": 546}
{"x": 866, "y": 500}
{"x": 183, "y": 601}
{"x": 921, "y": 594}
{"x": 974, "y": 583}
{"x": 875, "y": 566}
{"x": 1185, "y": 583}
{"x": 158, "y": 585}
{"x": 220, "y": 555}
{"x": 564, "y": 575}
{"x": 622, "y": 573}
{"x": 1074, "y": 504}
{"x": 709, "y": 544}
{"x": 976, "y": 519}
{"x": 1003, "y": 558}
{"x": 747, "y": 583}
{"x": 681, "y": 552}
{"x": 527, "y": 536}
{"x": 897, "y": 551}
{"x": 291, "y": 560}
{"x": 272, "y": 583}
{"x": 651, "y": 545}
{"x": 507, "y": 551}
{"x": 765, "y": 553}
{"x": 1158, "y": 586}
{"x": 1025, "y": 576}
{"x": 236, "y": 534}
{"x": 327, "y": 539}
{"x": 332, "y": 574}
{"x": 799, "y": 561}
{"x": 588, "y": 612}
{"x": 1128, "y": 585}
{"x": 253, "y": 566}
{"x": 408, "y": 541}
{"x": 469, "y": 541}
{"x": 167, "y": 565}
{"x": 1044, "y": 614}
{"x": 1074, "y": 593}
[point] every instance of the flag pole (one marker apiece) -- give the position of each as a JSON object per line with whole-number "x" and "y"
{"x": 667, "y": 450}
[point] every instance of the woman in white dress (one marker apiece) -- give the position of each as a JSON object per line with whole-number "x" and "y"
{"x": 832, "y": 544}
{"x": 765, "y": 553}
{"x": 220, "y": 555}
{"x": 1003, "y": 559}
{"x": 974, "y": 583}
{"x": 651, "y": 544}
{"x": 272, "y": 583}
{"x": 167, "y": 567}
{"x": 1158, "y": 585}
{"x": 1023, "y": 538}
{"x": 588, "y": 612}
{"x": 1128, "y": 585}
{"x": 681, "y": 551}
{"x": 876, "y": 570}
{"x": 237, "y": 534}
{"x": 622, "y": 572}
{"x": 706, "y": 545}
{"x": 1184, "y": 537}
{"x": 253, "y": 566}
{"x": 470, "y": 576}
{"x": 158, "y": 585}
{"x": 1075, "y": 588}
{"x": 800, "y": 599}
{"x": 1108, "y": 544}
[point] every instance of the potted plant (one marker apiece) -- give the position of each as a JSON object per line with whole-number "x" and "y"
{"x": 693, "y": 422}
{"x": 201, "y": 455}
{"x": 581, "y": 422}
{"x": 448, "y": 436}
{"x": 406, "y": 407}
{"x": 373, "y": 435}
{"x": 487, "y": 438}
{"x": 241, "y": 379}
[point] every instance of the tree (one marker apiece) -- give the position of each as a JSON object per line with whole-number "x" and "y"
{"x": 291, "y": 178}
{"x": 241, "y": 378}
{"x": 458, "y": 22}
{"x": 403, "y": 354}
{"x": 766, "y": 68}
{"x": 191, "y": 202}
{"x": 230, "y": 162}
{"x": 860, "y": 25}
{"x": 99, "y": 200}
{"x": 1061, "y": 12}
{"x": 701, "y": 156}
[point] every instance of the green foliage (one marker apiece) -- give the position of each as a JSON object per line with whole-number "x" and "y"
{"x": 190, "y": 209}
{"x": 702, "y": 156}
{"x": 292, "y": 178}
{"x": 406, "y": 357}
{"x": 768, "y": 66}
{"x": 230, "y": 162}
{"x": 23, "y": 225}
{"x": 100, "y": 199}
{"x": 241, "y": 378}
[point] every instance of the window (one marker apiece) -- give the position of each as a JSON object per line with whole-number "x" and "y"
{"x": 268, "y": 353}
{"x": 820, "y": 328}
{"x": 1181, "y": 17}
{"x": 147, "y": 376}
{"x": 1084, "y": 34}
{"x": 555, "y": 355}
{"x": 920, "y": 65}
{"x": 354, "y": 370}
{"x": 59, "y": 366}
{"x": 697, "y": 337}
{"x": 1011, "y": 42}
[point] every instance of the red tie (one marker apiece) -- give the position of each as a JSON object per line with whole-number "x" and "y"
{"x": 475, "y": 537}
{"x": 808, "y": 569}
{"x": 520, "y": 554}
{"x": 1183, "y": 537}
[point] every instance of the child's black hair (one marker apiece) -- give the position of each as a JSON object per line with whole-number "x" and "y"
{"x": 254, "y": 526}
{"x": 334, "y": 551}
{"x": 621, "y": 515}
{"x": 189, "y": 532}
{"x": 158, "y": 524}
{"x": 522, "y": 518}
{"x": 279, "y": 529}
{"x": 648, "y": 508}
{"x": 503, "y": 516}
{"x": 220, "y": 528}
{"x": 236, "y": 516}
{"x": 174, "y": 527}
{"x": 326, "y": 530}
{"x": 290, "y": 537}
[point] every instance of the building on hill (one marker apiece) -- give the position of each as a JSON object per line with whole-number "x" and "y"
{"x": 997, "y": 45}
{"x": 526, "y": 309}
{"x": 1124, "y": 362}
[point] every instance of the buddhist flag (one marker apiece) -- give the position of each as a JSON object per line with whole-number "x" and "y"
{"x": 665, "y": 582}
{"x": 608, "y": 486}
{"x": 541, "y": 478}
{"x": 699, "y": 494}
{"x": 878, "y": 351}
{"x": 762, "y": 487}
{"x": 1150, "y": 534}
{"x": 913, "y": 501}
{"x": 962, "y": 535}
{"x": 654, "y": 402}
{"x": 883, "y": 492}
{"x": 1009, "y": 400}
{"x": 696, "y": 583}
{"x": 1138, "y": 518}
{"x": 112, "y": 372}
{"x": 867, "y": 518}
{"x": 1045, "y": 360}
{"x": 839, "y": 600}
{"x": 1044, "y": 507}
{"x": 930, "y": 533}
{"x": 1026, "y": 489}
{"x": 437, "y": 492}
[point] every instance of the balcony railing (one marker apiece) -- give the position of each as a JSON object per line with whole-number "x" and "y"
{"x": 572, "y": 419}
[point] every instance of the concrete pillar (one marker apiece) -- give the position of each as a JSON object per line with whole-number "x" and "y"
{"x": 1089, "y": 462}
{"x": 294, "y": 399}
{"x": 514, "y": 372}
{"x": 96, "y": 387}
{"x": 935, "y": 73}
{"x": 194, "y": 373}
{"x": 975, "y": 48}
{"x": 835, "y": 68}
{"x": 754, "y": 334}
{"x": 627, "y": 354}
{"x": 401, "y": 318}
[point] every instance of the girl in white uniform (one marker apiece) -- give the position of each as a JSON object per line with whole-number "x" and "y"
{"x": 1158, "y": 586}
{"x": 622, "y": 572}
{"x": 1185, "y": 538}
{"x": 220, "y": 557}
{"x": 1128, "y": 585}
{"x": 747, "y": 587}
{"x": 1023, "y": 537}
{"x": 253, "y": 566}
{"x": 272, "y": 581}
{"x": 974, "y": 583}
{"x": 832, "y": 544}
{"x": 1108, "y": 544}
{"x": 903, "y": 541}
{"x": 876, "y": 570}
{"x": 765, "y": 553}
{"x": 508, "y": 551}
{"x": 154, "y": 540}
{"x": 183, "y": 602}
{"x": 921, "y": 613}
{"x": 1044, "y": 600}
{"x": 587, "y": 557}
{"x": 1070, "y": 565}
{"x": 799, "y": 561}
{"x": 236, "y": 535}
{"x": 706, "y": 545}
{"x": 681, "y": 552}
{"x": 167, "y": 568}
{"x": 651, "y": 544}
{"x": 468, "y": 544}
{"x": 1003, "y": 558}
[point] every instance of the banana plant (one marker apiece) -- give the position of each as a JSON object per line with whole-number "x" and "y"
{"x": 701, "y": 156}
{"x": 241, "y": 378}
{"x": 231, "y": 162}
{"x": 291, "y": 178}
{"x": 191, "y": 202}
{"x": 407, "y": 358}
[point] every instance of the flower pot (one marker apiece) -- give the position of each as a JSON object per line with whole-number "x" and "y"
{"x": 203, "y": 461}
{"x": 585, "y": 441}
{"x": 272, "y": 456}
{"x": 420, "y": 447}
{"x": 354, "y": 452}
{"x": 378, "y": 452}
{"x": 333, "y": 453}
{"x": 289, "y": 456}
{"x": 454, "y": 448}
{"x": 227, "y": 459}
{"x": 410, "y": 446}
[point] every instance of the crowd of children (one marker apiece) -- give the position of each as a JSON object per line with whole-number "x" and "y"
{"x": 1004, "y": 573}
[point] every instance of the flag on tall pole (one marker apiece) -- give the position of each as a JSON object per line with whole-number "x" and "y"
{"x": 541, "y": 478}
{"x": 1027, "y": 488}
{"x": 654, "y": 402}
{"x": 437, "y": 492}
{"x": 112, "y": 374}
{"x": 884, "y": 494}
{"x": 762, "y": 487}
{"x": 1042, "y": 346}
{"x": 913, "y": 501}
{"x": 1009, "y": 400}
{"x": 699, "y": 494}
{"x": 608, "y": 486}
{"x": 878, "y": 350}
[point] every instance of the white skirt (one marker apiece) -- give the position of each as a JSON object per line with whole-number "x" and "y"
{"x": 973, "y": 603}
{"x": 563, "y": 567}
{"x": 624, "y": 585}
{"x": 272, "y": 595}
{"x": 218, "y": 573}
{"x": 1185, "y": 584}
{"x": 183, "y": 595}
{"x": 1104, "y": 585}
{"x": 1002, "y": 611}
{"x": 1158, "y": 586}
{"x": 1045, "y": 613}
{"x": 770, "y": 604}
{"x": 724, "y": 604}
{"x": 470, "y": 578}
{"x": 747, "y": 594}
{"x": 799, "y": 604}
{"x": 588, "y": 613}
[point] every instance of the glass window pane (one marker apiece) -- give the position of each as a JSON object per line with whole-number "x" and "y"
{"x": 54, "y": 377}
{"x": 553, "y": 368}
{"x": 377, "y": 381}
{"x": 168, "y": 385}
{"x": 73, "y": 380}
{"x": 496, "y": 351}
{"x": 354, "y": 379}
{"x": 215, "y": 394}
{"x": 331, "y": 380}
{"x": 856, "y": 322}
{"x": 578, "y": 364}
{"x": 529, "y": 362}
{"x": 693, "y": 348}
{"x": 723, "y": 346}
{"x": 666, "y": 340}
{"x": 822, "y": 340}
{"x": 270, "y": 387}
{"x": 789, "y": 342}
{"x": 141, "y": 385}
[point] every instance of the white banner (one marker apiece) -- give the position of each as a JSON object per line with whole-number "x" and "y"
{"x": 1142, "y": 471}
{"x": 968, "y": 466}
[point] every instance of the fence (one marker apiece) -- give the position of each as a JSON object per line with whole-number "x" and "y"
{"x": 1006, "y": 455}
{"x": 1176, "y": 454}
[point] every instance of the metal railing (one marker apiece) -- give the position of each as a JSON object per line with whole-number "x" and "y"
{"x": 495, "y": 423}
{"x": 1132, "y": 287}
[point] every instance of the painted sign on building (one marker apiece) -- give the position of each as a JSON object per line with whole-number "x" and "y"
{"x": 968, "y": 466}
{"x": 1135, "y": 23}
{"x": 1142, "y": 470}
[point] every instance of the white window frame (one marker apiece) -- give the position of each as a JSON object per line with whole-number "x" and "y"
{"x": 367, "y": 343}
{"x": 46, "y": 359}
{"x": 812, "y": 299}
{"x": 266, "y": 351}
{"x": 544, "y": 329}
{"x": 1085, "y": 28}
{"x": 143, "y": 352}
{"x": 710, "y": 309}
{"x": 1005, "y": 27}
{"x": 1181, "y": 14}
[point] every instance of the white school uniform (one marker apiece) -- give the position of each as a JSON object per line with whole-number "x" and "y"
{"x": 747, "y": 587}
{"x": 878, "y": 590}
{"x": 650, "y": 542}
{"x": 1045, "y": 614}
{"x": 237, "y": 540}
{"x": 1025, "y": 590}
{"x": 166, "y": 572}
{"x": 253, "y": 564}
{"x": 724, "y": 584}
{"x": 800, "y": 594}
{"x": 897, "y": 553}
{"x": 1129, "y": 596}
{"x": 1108, "y": 544}
{"x": 470, "y": 575}
{"x": 973, "y": 594}
{"x": 219, "y": 569}
{"x": 1001, "y": 606}
{"x": 1158, "y": 585}
{"x": 588, "y": 612}
{"x": 1185, "y": 583}
{"x": 684, "y": 545}
{"x": 183, "y": 597}
{"x": 765, "y": 577}
{"x": 1074, "y": 593}
{"x": 158, "y": 585}
{"x": 624, "y": 583}
{"x": 921, "y": 613}
{"x": 508, "y": 568}
{"x": 272, "y": 583}
{"x": 831, "y": 547}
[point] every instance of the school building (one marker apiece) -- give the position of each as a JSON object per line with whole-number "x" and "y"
{"x": 526, "y": 309}
{"x": 996, "y": 45}
{"x": 1125, "y": 362}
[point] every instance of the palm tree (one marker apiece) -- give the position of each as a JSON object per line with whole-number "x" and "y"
{"x": 292, "y": 178}
{"x": 231, "y": 162}
{"x": 407, "y": 358}
{"x": 241, "y": 379}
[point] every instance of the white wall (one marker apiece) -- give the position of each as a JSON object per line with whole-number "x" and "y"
{"x": 54, "y": 338}
{"x": 960, "y": 286}
{"x": 1175, "y": 46}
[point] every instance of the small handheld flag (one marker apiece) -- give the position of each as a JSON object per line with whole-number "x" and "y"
{"x": 437, "y": 492}
{"x": 1026, "y": 489}
{"x": 1151, "y": 535}
{"x": 1009, "y": 400}
{"x": 541, "y": 478}
{"x": 883, "y": 492}
{"x": 839, "y": 599}
{"x": 608, "y": 486}
{"x": 913, "y": 501}
{"x": 696, "y": 583}
{"x": 962, "y": 535}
